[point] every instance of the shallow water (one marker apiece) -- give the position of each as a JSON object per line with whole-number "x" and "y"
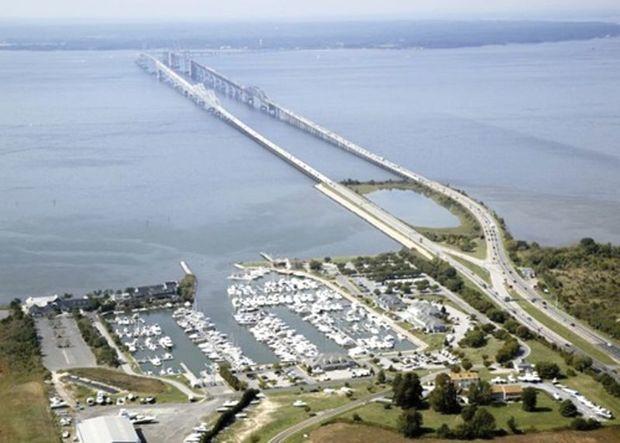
{"x": 414, "y": 208}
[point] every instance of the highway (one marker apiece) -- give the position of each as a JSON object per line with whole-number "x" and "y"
{"x": 497, "y": 261}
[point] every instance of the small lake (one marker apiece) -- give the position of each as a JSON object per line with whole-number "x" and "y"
{"x": 414, "y": 208}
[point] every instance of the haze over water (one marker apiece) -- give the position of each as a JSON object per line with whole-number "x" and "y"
{"x": 108, "y": 178}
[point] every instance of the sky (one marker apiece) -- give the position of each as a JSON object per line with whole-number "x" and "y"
{"x": 147, "y": 10}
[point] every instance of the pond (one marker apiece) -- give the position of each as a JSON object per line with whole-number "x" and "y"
{"x": 414, "y": 208}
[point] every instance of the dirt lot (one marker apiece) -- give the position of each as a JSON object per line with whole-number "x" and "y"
{"x": 348, "y": 433}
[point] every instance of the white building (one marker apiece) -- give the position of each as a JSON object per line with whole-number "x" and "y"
{"x": 107, "y": 429}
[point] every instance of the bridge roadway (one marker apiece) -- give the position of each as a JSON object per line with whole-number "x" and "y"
{"x": 497, "y": 262}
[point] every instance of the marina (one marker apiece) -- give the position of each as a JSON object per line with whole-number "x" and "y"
{"x": 350, "y": 328}
{"x": 157, "y": 343}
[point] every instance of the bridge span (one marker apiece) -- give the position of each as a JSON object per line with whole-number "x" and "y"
{"x": 497, "y": 261}
{"x": 373, "y": 214}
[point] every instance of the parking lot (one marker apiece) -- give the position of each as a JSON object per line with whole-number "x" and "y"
{"x": 174, "y": 421}
{"x": 62, "y": 344}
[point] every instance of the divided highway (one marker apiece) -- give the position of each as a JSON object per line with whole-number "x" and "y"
{"x": 497, "y": 262}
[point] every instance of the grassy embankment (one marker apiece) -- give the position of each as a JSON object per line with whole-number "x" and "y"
{"x": 141, "y": 386}
{"x": 583, "y": 278}
{"x": 562, "y": 330}
{"x": 465, "y": 238}
{"x": 25, "y": 415}
{"x": 478, "y": 270}
{"x": 277, "y": 413}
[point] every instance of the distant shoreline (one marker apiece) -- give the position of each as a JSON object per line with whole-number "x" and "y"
{"x": 297, "y": 36}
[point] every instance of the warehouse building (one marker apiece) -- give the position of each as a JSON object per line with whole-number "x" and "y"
{"x": 107, "y": 429}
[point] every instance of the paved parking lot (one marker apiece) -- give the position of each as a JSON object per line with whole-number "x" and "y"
{"x": 62, "y": 344}
{"x": 174, "y": 421}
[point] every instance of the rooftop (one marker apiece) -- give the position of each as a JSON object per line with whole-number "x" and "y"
{"x": 107, "y": 429}
{"x": 464, "y": 376}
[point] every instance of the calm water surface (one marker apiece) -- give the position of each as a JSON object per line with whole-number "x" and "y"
{"x": 108, "y": 179}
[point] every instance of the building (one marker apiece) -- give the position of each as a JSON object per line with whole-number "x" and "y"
{"x": 107, "y": 429}
{"x": 330, "y": 362}
{"x": 165, "y": 290}
{"x": 390, "y": 302}
{"x": 39, "y": 306}
{"x": 506, "y": 393}
{"x": 425, "y": 315}
{"x": 54, "y": 304}
{"x": 464, "y": 380}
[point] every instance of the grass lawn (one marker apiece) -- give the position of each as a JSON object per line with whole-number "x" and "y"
{"x": 25, "y": 415}
{"x": 546, "y": 418}
{"x": 478, "y": 270}
{"x": 283, "y": 414}
{"x": 143, "y": 386}
{"x": 490, "y": 349}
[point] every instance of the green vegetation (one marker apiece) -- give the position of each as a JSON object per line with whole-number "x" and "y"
{"x": 125, "y": 381}
{"x": 104, "y": 353}
{"x": 582, "y": 382}
{"x": 548, "y": 370}
{"x": 529, "y": 399}
{"x": 443, "y": 398}
{"x": 284, "y": 414}
{"x": 568, "y": 409}
{"x": 231, "y": 379}
{"x": 187, "y": 287}
{"x": 474, "y": 338}
{"x": 407, "y": 390}
{"x": 410, "y": 423}
{"x": 467, "y": 237}
{"x": 23, "y": 394}
{"x": 228, "y": 417}
{"x": 565, "y": 332}
{"x": 584, "y": 278}
{"x": 508, "y": 351}
{"x": 478, "y": 270}
{"x": 545, "y": 418}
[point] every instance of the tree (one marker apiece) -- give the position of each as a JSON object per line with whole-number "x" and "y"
{"x": 523, "y": 332}
{"x": 581, "y": 424}
{"x": 474, "y": 338}
{"x": 466, "y": 364}
{"x": 529, "y": 399}
{"x": 496, "y": 315}
{"x": 467, "y": 413}
{"x": 480, "y": 425}
{"x": 410, "y": 423}
{"x": 508, "y": 351}
{"x": 512, "y": 425}
{"x": 315, "y": 265}
{"x": 480, "y": 393}
{"x": 568, "y": 409}
{"x": 381, "y": 377}
{"x": 483, "y": 424}
{"x": 407, "y": 390}
{"x": 443, "y": 398}
{"x": 581, "y": 362}
{"x": 547, "y": 370}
